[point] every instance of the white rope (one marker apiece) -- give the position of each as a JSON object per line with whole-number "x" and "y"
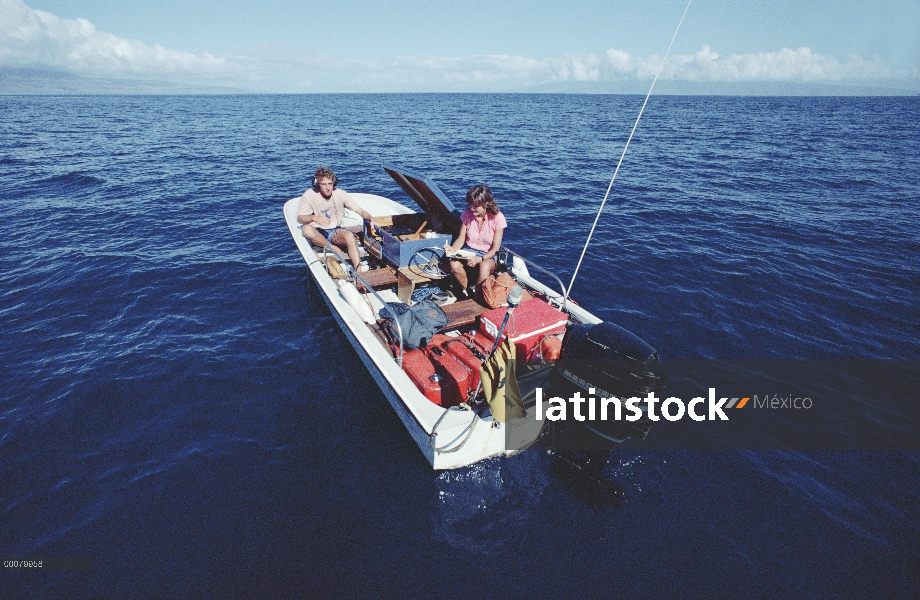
{"x": 622, "y": 156}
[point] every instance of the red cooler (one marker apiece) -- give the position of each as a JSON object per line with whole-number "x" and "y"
{"x": 530, "y": 322}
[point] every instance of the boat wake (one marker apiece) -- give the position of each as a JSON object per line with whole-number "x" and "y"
{"x": 486, "y": 508}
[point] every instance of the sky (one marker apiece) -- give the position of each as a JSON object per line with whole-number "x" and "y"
{"x": 297, "y": 46}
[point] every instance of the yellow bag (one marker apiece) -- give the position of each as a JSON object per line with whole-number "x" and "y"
{"x": 499, "y": 383}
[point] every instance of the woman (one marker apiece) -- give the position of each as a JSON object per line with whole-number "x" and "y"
{"x": 481, "y": 231}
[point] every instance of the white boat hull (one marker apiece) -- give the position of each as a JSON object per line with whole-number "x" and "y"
{"x": 418, "y": 414}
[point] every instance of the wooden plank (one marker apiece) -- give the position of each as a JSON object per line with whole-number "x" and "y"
{"x": 415, "y": 275}
{"x": 462, "y": 313}
{"x": 405, "y": 288}
{"x": 378, "y": 278}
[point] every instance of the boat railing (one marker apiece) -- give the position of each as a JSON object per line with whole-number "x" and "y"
{"x": 354, "y": 272}
{"x": 564, "y": 295}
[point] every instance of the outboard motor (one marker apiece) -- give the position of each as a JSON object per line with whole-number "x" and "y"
{"x": 616, "y": 363}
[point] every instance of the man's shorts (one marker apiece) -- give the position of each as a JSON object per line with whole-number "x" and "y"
{"x": 326, "y": 233}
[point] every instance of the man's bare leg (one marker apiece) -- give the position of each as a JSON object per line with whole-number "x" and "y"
{"x": 314, "y": 237}
{"x": 346, "y": 239}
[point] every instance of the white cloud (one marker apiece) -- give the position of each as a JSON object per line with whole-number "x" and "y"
{"x": 507, "y": 72}
{"x": 785, "y": 65}
{"x": 37, "y": 39}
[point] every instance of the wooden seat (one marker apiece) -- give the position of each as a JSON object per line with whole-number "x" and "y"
{"x": 462, "y": 313}
{"x": 409, "y": 277}
{"x": 378, "y": 278}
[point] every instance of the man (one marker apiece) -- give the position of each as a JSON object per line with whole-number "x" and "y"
{"x": 320, "y": 215}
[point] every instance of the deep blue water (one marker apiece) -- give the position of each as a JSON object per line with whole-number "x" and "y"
{"x": 179, "y": 406}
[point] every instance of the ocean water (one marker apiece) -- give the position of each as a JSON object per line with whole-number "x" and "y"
{"x": 179, "y": 406}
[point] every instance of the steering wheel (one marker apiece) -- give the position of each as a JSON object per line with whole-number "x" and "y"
{"x": 428, "y": 262}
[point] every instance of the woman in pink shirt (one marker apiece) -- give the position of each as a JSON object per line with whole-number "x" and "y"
{"x": 481, "y": 231}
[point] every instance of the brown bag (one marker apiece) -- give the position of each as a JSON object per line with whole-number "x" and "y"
{"x": 494, "y": 289}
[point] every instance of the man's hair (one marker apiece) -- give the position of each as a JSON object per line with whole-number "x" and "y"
{"x": 481, "y": 195}
{"x": 322, "y": 173}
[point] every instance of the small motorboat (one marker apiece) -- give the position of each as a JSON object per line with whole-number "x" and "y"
{"x": 434, "y": 389}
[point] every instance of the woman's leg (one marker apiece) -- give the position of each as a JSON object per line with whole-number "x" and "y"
{"x": 486, "y": 268}
{"x": 458, "y": 268}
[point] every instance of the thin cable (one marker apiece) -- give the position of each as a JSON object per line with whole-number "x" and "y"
{"x": 622, "y": 156}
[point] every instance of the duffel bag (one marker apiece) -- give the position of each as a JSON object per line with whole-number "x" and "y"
{"x": 419, "y": 323}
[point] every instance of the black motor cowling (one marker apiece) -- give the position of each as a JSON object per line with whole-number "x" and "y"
{"x": 610, "y": 359}
{"x": 605, "y": 340}
{"x": 615, "y": 363}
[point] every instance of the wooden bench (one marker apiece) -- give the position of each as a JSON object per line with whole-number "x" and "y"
{"x": 462, "y": 313}
{"x": 379, "y": 278}
{"x": 409, "y": 277}
{"x": 376, "y": 278}
{"x": 459, "y": 314}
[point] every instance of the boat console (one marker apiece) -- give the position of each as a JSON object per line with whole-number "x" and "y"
{"x": 414, "y": 239}
{"x": 400, "y": 237}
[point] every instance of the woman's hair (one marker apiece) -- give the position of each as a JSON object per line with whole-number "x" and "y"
{"x": 481, "y": 195}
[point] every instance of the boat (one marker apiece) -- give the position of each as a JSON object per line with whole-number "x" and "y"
{"x": 434, "y": 389}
